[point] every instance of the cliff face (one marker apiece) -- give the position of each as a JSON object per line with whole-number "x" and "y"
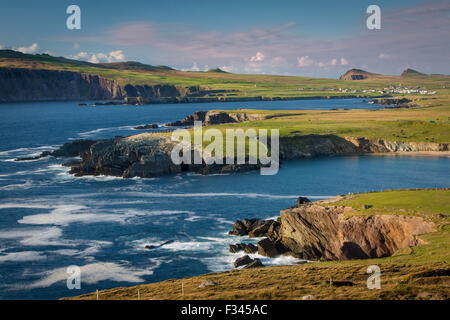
{"x": 44, "y": 85}
{"x": 325, "y": 145}
{"x": 145, "y": 155}
{"x": 322, "y": 232}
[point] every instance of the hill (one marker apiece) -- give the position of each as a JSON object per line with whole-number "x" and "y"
{"x": 412, "y": 73}
{"x": 213, "y": 85}
{"x": 357, "y": 74}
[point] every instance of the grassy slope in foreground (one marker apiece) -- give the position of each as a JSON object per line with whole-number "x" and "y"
{"x": 420, "y": 272}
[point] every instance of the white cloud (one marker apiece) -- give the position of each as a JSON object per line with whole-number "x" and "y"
{"x": 258, "y": 57}
{"x": 193, "y": 68}
{"x": 384, "y": 56}
{"x": 117, "y": 55}
{"x": 81, "y": 56}
{"x": 113, "y": 56}
{"x": 30, "y": 49}
{"x": 304, "y": 61}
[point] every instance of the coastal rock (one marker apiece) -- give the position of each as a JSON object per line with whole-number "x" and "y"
{"x": 147, "y": 126}
{"x": 302, "y": 200}
{"x": 67, "y": 150}
{"x": 256, "y": 263}
{"x": 254, "y": 228}
{"x": 267, "y": 248}
{"x": 322, "y": 232}
{"x": 242, "y": 261}
{"x": 247, "y": 248}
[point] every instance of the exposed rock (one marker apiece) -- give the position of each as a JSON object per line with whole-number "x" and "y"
{"x": 302, "y": 200}
{"x": 207, "y": 283}
{"x": 242, "y": 261}
{"x": 267, "y": 248}
{"x": 254, "y": 228}
{"x": 147, "y": 126}
{"x": 256, "y": 263}
{"x": 212, "y": 117}
{"x": 44, "y": 85}
{"x": 321, "y": 232}
{"x": 247, "y": 248}
{"x": 149, "y": 247}
{"x": 68, "y": 149}
{"x": 308, "y": 297}
{"x": 262, "y": 230}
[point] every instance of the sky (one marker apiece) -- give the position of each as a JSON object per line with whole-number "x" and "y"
{"x": 320, "y": 38}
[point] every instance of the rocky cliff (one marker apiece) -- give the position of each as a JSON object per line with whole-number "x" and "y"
{"x": 45, "y": 85}
{"x": 18, "y": 84}
{"x": 324, "y": 232}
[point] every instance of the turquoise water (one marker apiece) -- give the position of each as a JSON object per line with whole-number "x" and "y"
{"x": 50, "y": 220}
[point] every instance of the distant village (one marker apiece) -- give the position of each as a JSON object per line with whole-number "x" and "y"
{"x": 400, "y": 89}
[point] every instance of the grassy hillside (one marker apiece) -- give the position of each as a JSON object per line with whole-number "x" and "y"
{"x": 215, "y": 79}
{"x": 420, "y": 272}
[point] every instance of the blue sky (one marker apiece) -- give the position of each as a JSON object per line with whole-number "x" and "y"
{"x": 313, "y": 38}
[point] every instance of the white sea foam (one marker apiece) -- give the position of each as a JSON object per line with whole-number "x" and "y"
{"x": 93, "y": 133}
{"x": 35, "y": 237}
{"x": 63, "y": 215}
{"x": 22, "y": 256}
{"x": 93, "y": 273}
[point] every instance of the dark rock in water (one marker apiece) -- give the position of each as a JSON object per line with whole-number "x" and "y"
{"x": 267, "y": 248}
{"x": 250, "y": 248}
{"x": 239, "y": 229}
{"x": 147, "y": 126}
{"x": 242, "y": 261}
{"x": 149, "y": 247}
{"x": 255, "y": 228}
{"x": 189, "y": 120}
{"x": 247, "y": 248}
{"x": 255, "y": 264}
{"x": 71, "y": 163}
{"x": 82, "y": 104}
{"x": 261, "y": 230}
{"x": 67, "y": 150}
{"x": 302, "y": 200}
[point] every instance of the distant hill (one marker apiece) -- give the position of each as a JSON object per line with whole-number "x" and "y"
{"x": 217, "y": 70}
{"x": 11, "y": 55}
{"x": 135, "y": 66}
{"x": 357, "y": 74}
{"x": 412, "y": 73}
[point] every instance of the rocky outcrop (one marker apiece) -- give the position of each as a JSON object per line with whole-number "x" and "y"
{"x": 323, "y": 232}
{"x": 296, "y": 147}
{"x": 209, "y": 118}
{"x": 69, "y": 149}
{"x": 145, "y": 155}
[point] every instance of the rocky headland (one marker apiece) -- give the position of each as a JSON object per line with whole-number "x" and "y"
{"x": 149, "y": 154}
{"x": 323, "y": 231}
